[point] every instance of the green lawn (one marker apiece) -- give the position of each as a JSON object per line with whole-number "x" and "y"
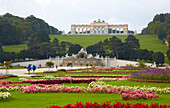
{"x": 134, "y": 83}
{"x": 14, "y": 48}
{"x": 42, "y": 100}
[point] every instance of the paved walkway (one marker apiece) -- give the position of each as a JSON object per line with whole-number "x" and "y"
{"x": 21, "y": 72}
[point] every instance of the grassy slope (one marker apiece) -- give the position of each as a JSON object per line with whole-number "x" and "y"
{"x": 146, "y": 41}
{"x": 15, "y": 48}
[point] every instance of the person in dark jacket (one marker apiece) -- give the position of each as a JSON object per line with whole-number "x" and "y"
{"x": 33, "y": 68}
{"x": 29, "y": 68}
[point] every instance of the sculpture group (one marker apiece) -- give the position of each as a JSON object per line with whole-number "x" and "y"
{"x": 82, "y": 59}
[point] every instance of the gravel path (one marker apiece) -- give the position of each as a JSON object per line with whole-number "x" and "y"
{"x": 21, "y": 72}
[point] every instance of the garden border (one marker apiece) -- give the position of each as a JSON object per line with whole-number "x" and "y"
{"x": 150, "y": 81}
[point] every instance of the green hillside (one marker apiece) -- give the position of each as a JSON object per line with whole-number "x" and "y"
{"x": 146, "y": 41}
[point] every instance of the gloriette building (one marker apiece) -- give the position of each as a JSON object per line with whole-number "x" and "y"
{"x": 99, "y": 28}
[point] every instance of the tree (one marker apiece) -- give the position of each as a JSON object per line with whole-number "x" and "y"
{"x": 7, "y": 64}
{"x": 168, "y": 39}
{"x": 132, "y": 42}
{"x": 160, "y": 26}
{"x": 87, "y": 65}
{"x": 74, "y": 49}
{"x": 158, "y": 57}
{"x": 38, "y": 37}
{"x": 49, "y": 64}
{"x": 141, "y": 63}
{"x": 81, "y": 64}
{"x": 168, "y": 54}
{"x": 46, "y": 50}
{"x": 1, "y": 50}
{"x": 69, "y": 64}
{"x": 23, "y": 54}
{"x": 56, "y": 43}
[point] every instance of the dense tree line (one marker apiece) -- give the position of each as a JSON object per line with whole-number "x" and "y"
{"x": 160, "y": 26}
{"x": 40, "y": 47}
{"x": 15, "y": 30}
{"x": 128, "y": 50}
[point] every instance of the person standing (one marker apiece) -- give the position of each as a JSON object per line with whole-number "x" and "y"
{"x": 33, "y": 68}
{"x": 29, "y": 68}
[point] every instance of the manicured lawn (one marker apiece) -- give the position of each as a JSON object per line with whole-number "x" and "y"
{"x": 14, "y": 48}
{"x": 41, "y": 100}
{"x": 134, "y": 83}
{"x": 11, "y": 78}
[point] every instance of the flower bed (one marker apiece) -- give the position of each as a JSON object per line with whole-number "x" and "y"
{"x": 98, "y": 76}
{"x": 102, "y": 72}
{"x": 37, "y": 88}
{"x": 69, "y": 78}
{"x": 134, "y": 68}
{"x": 3, "y": 77}
{"x": 73, "y": 69}
{"x": 126, "y": 94}
{"x": 152, "y": 74}
{"x": 150, "y": 81}
{"x": 4, "y": 95}
{"x": 102, "y": 85}
{"x": 61, "y": 81}
{"x": 110, "y": 68}
{"x": 108, "y": 105}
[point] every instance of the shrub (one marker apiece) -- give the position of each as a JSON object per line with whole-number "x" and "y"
{"x": 64, "y": 70}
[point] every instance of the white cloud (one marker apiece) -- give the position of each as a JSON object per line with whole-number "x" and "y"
{"x": 43, "y": 3}
{"x": 62, "y": 13}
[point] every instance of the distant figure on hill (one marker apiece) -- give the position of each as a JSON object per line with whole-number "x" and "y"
{"x": 29, "y": 68}
{"x": 33, "y": 68}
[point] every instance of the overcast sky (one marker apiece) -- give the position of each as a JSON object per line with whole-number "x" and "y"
{"x": 62, "y": 13}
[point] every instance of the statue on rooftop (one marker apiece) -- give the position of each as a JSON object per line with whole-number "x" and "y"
{"x": 66, "y": 56}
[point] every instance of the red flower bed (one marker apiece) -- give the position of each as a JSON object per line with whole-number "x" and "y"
{"x": 2, "y": 77}
{"x": 61, "y": 81}
{"x": 111, "y": 76}
{"x": 110, "y": 68}
{"x": 108, "y": 105}
{"x": 49, "y": 81}
{"x": 150, "y": 81}
{"x": 99, "y": 76}
{"x": 58, "y": 71}
{"x": 103, "y": 72}
{"x": 73, "y": 69}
